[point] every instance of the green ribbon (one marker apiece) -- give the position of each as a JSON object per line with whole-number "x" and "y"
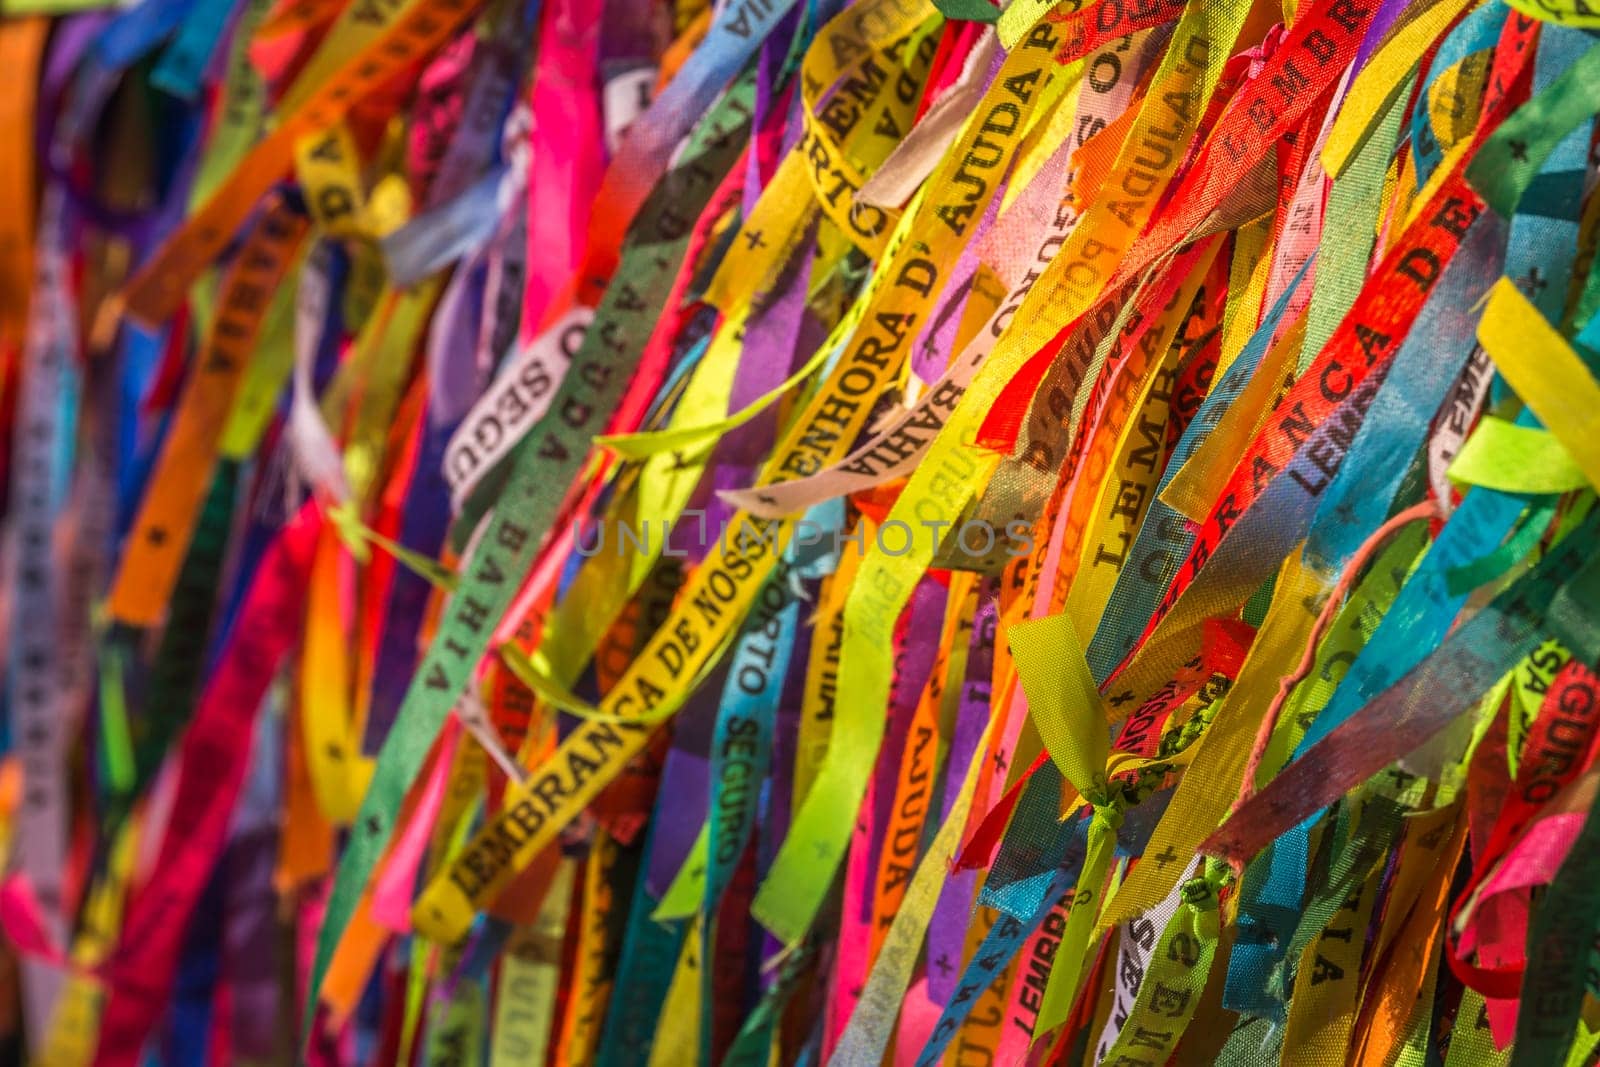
{"x": 549, "y": 460}
{"x": 1509, "y": 159}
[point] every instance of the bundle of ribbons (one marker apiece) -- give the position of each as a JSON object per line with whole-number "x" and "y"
{"x": 797, "y": 532}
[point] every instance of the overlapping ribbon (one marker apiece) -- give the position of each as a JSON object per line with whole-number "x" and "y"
{"x": 857, "y": 531}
